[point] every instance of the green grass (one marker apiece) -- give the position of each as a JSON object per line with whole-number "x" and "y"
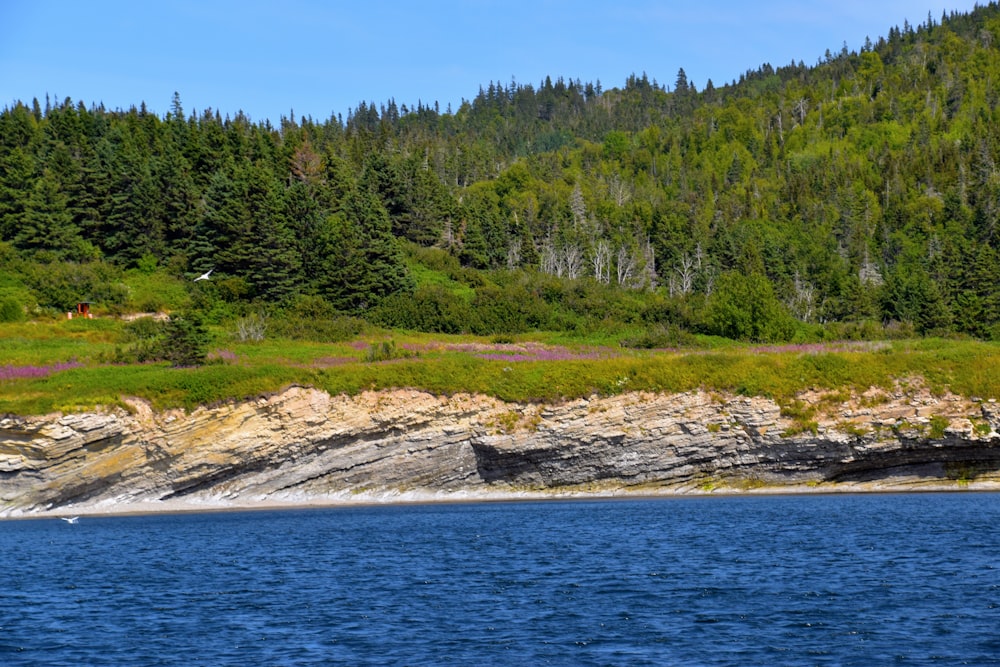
{"x": 424, "y": 276}
{"x": 164, "y": 387}
{"x": 151, "y": 292}
{"x": 38, "y": 343}
{"x": 448, "y": 365}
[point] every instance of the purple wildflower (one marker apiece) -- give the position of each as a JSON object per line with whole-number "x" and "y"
{"x": 542, "y": 353}
{"x": 326, "y": 362}
{"x": 820, "y": 348}
{"x": 18, "y": 372}
{"x": 227, "y": 356}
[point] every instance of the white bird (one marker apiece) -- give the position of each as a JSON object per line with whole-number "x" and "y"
{"x": 70, "y": 519}
{"x": 205, "y": 275}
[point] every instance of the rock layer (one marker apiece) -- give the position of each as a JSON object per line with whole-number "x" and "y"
{"x": 306, "y": 445}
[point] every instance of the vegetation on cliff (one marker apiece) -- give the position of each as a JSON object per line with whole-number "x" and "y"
{"x": 36, "y": 377}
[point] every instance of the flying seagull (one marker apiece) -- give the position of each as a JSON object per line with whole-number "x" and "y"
{"x": 205, "y": 275}
{"x": 70, "y": 519}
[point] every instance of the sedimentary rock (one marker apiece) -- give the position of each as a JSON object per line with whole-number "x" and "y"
{"x": 304, "y": 444}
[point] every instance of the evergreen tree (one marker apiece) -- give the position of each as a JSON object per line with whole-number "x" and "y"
{"x": 186, "y": 341}
{"x": 363, "y": 261}
{"x": 17, "y": 180}
{"x": 46, "y": 226}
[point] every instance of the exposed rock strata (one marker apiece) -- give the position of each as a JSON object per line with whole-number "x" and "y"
{"x": 304, "y": 444}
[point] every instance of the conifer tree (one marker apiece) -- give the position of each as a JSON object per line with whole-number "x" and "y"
{"x": 186, "y": 340}
{"x": 46, "y": 227}
{"x": 363, "y": 262}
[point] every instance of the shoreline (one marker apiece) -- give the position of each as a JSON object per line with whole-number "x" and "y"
{"x": 407, "y": 498}
{"x": 305, "y": 448}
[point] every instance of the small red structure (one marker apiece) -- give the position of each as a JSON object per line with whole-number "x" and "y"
{"x": 82, "y": 309}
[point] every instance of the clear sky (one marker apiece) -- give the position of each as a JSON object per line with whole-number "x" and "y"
{"x": 270, "y": 58}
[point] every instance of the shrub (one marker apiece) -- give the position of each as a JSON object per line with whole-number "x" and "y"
{"x": 386, "y": 351}
{"x": 745, "y": 308}
{"x": 147, "y": 263}
{"x": 661, "y": 336}
{"x": 430, "y": 308}
{"x": 141, "y": 340}
{"x": 156, "y": 291}
{"x": 508, "y": 311}
{"x": 938, "y": 426}
{"x": 61, "y": 285}
{"x": 142, "y": 328}
{"x": 313, "y": 318}
{"x": 251, "y": 327}
{"x": 324, "y": 330}
{"x": 11, "y": 310}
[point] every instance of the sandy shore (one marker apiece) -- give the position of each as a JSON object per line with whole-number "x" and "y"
{"x": 176, "y": 506}
{"x": 217, "y": 504}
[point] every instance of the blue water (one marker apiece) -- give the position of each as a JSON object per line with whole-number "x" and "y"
{"x": 814, "y": 580}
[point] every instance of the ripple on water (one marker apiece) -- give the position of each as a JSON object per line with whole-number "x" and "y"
{"x": 845, "y": 580}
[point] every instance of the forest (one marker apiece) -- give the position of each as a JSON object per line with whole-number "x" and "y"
{"x": 857, "y": 197}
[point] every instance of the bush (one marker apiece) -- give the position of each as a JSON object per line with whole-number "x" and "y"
{"x": 147, "y": 263}
{"x": 141, "y": 341}
{"x": 142, "y": 328}
{"x": 61, "y": 285}
{"x": 310, "y": 317}
{"x": 430, "y": 308}
{"x": 507, "y": 311}
{"x": 661, "y": 336}
{"x": 11, "y": 310}
{"x": 745, "y": 308}
{"x": 156, "y": 292}
{"x": 386, "y": 351}
{"x": 251, "y": 328}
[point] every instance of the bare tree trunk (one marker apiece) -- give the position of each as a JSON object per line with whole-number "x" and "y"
{"x": 514, "y": 254}
{"x": 619, "y": 190}
{"x": 600, "y": 260}
{"x": 625, "y": 266}
{"x": 550, "y": 259}
{"x": 649, "y": 264}
{"x": 802, "y": 302}
{"x": 577, "y": 207}
{"x": 686, "y": 271}
{"x": 573, "y": 259}
{"x": 800, "y": 108}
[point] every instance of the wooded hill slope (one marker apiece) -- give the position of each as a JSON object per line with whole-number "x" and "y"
{"x": 854, "y": 197}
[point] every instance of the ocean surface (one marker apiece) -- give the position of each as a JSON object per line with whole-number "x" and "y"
{"x": 909, "y": 579}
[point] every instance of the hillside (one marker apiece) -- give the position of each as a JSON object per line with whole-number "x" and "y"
{"x": 857, "y": 197}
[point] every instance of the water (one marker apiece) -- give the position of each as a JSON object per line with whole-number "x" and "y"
{"x": 814, "y": 580}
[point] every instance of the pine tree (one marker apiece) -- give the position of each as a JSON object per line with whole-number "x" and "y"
{"x": 186, "y": 341}
{"x": 17, "y": 180}
{"x": 363, "y": 263}
{"x": 46, "y": 227}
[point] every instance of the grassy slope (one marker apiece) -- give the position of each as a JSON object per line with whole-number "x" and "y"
{"x": 523, "y": 371}
{"x": 60, "y": 364}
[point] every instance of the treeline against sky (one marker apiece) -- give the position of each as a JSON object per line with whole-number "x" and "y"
{"x": 861, "y": 190}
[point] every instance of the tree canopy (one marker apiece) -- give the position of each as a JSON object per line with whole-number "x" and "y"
{"x": 863, "y": 188}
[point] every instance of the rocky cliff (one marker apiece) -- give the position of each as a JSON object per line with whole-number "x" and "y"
{"x": 306, "y": 446}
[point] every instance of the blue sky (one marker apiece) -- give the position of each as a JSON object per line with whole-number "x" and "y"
{"x": 316, "y": 58}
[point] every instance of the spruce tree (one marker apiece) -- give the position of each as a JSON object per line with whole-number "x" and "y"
{"x": 186, "y": 341}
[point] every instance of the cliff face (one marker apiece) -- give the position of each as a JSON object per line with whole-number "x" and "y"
{"x": 306, "y": 445}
